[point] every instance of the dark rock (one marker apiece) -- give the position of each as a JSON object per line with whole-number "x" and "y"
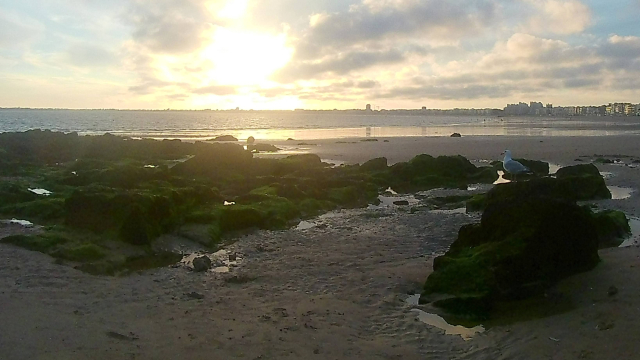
{"x": 225, "y": 138}
{"x": 401, "y": 202}
{"x": 377, "y": 164}
{"x": 368, "y": 140}
{"x": 201, "y": 263}
{"x": 612, "y": 290}
{"x": 602, "y": 160}
{"x": 612, "y": 226}
{"x": 539, "y": 168}
{"x": 585, "y": 182}
{"x": 456, "y": 135}
{"x": 240, "y": 217}
{"x": 572, "y": 188}
{"x": 520, "y": 248}
{"x": 233, "y": 256}
{"x": 263, "y": 148}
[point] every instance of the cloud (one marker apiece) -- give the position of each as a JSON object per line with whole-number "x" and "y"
{"x": 169, "y": 26}
{"x": 17, "y": 30}
{"x": 338, "y": 65}
{"x": 380, "y": 32}
{"x": 559, "y": 17}
{"x": 219, "y": 90}
{"x": 89, "y": 55}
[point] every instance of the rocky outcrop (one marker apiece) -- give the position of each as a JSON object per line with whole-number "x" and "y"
{"x": 520, "y": 247}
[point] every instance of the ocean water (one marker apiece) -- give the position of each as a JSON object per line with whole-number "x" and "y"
{"x": 280, "y": 125}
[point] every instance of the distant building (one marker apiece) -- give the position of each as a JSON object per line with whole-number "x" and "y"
{"x": 368, "y": 107}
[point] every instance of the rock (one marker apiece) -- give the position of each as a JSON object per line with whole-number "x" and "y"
{"x": 612, "y": 226}
{"x": 233, "y": 256}
{"x": 201, "y": 263}
{"x": 368, "y": 140}
{"x": 251, "y": 140}
{"x": 401, "y": 202}
{"x": 612, "y": 290}
{"x": 539, "y": 168}
{"x": 573, "y": 188}
{"x": 520, "y": 248}
{"x": 602, "y": 160}
{"x": 225, "y": 138}
{"x": 583, "y": 181}
{"x": 377, "y": 164}
{"x": 263, "y": 148}
{"x": 455, "y": 135}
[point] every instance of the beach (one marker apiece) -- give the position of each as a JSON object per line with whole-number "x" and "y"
{"x": 334, "y": 290}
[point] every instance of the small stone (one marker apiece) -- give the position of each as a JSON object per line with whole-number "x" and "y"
{"x": 233, "y": 256}
{"x": 201, "y": 263}
{"x": 612, "y": 290}
{"x": 455, "y": 134}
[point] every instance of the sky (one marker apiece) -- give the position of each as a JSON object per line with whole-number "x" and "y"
{"x": 317, "y": 54}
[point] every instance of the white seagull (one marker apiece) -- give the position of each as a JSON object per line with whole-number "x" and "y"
{"x": 513, "y": 167}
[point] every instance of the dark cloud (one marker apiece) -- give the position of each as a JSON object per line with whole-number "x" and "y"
{"x": 169, "y": 26}
{"x": 374, "y": 33}
{"x": 446, "y": 19}
{"x": 467, "y": 92}
{"x": 367, "y": 84}
{"x": 340, "y": 65}
{"x": 581, "y": 82}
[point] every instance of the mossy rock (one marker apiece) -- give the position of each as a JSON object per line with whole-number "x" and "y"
{"x": 572, "y": 188}
{"x": 477, "y": 203}
{"x": 612, "y": 227}
{"x": 44, "y": 209}
{"x": 239, "y": 217}
{"x": 373, "y": 165}
{"x": 520, "y": 247}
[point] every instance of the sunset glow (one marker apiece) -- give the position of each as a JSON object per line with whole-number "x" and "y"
{"x": 285, "y": 54}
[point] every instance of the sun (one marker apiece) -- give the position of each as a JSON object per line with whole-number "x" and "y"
{"x": 244, "y": 58}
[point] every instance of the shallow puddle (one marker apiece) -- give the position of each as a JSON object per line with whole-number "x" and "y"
{"x": 42, "y": 192}
{"x": 606, "y": 174}
{"x": 634, "y": 239}
{"x": 450, "y": 211}
{"x": 305, "y": 225}
{"x": 25, "y": 223}
{"x": 439, "y": 322}
{"x": 620, "y": 193}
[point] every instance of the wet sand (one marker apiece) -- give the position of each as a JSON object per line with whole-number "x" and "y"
{"x": 335, "y": 290}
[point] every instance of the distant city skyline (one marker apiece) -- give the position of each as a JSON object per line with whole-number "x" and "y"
{"x": 288, "y": 54}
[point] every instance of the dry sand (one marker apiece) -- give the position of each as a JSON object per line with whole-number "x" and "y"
{"x": 333, "y": 291}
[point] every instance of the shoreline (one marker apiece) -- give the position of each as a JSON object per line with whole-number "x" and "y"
{"x": 335, "y": 290}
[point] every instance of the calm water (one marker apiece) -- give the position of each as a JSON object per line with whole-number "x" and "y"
{"x": 298, "y": 125}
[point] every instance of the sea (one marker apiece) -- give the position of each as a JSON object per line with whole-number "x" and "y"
{"x": 302, "y": 125}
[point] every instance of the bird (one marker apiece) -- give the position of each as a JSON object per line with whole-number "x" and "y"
{"x": 513, "y": 167}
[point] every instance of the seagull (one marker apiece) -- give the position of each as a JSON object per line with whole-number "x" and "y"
{"x": 513, "y": 167}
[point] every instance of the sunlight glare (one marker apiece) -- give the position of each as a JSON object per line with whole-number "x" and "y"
{"x": 245, "y": 58}
{"x": 234, "y": 9}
